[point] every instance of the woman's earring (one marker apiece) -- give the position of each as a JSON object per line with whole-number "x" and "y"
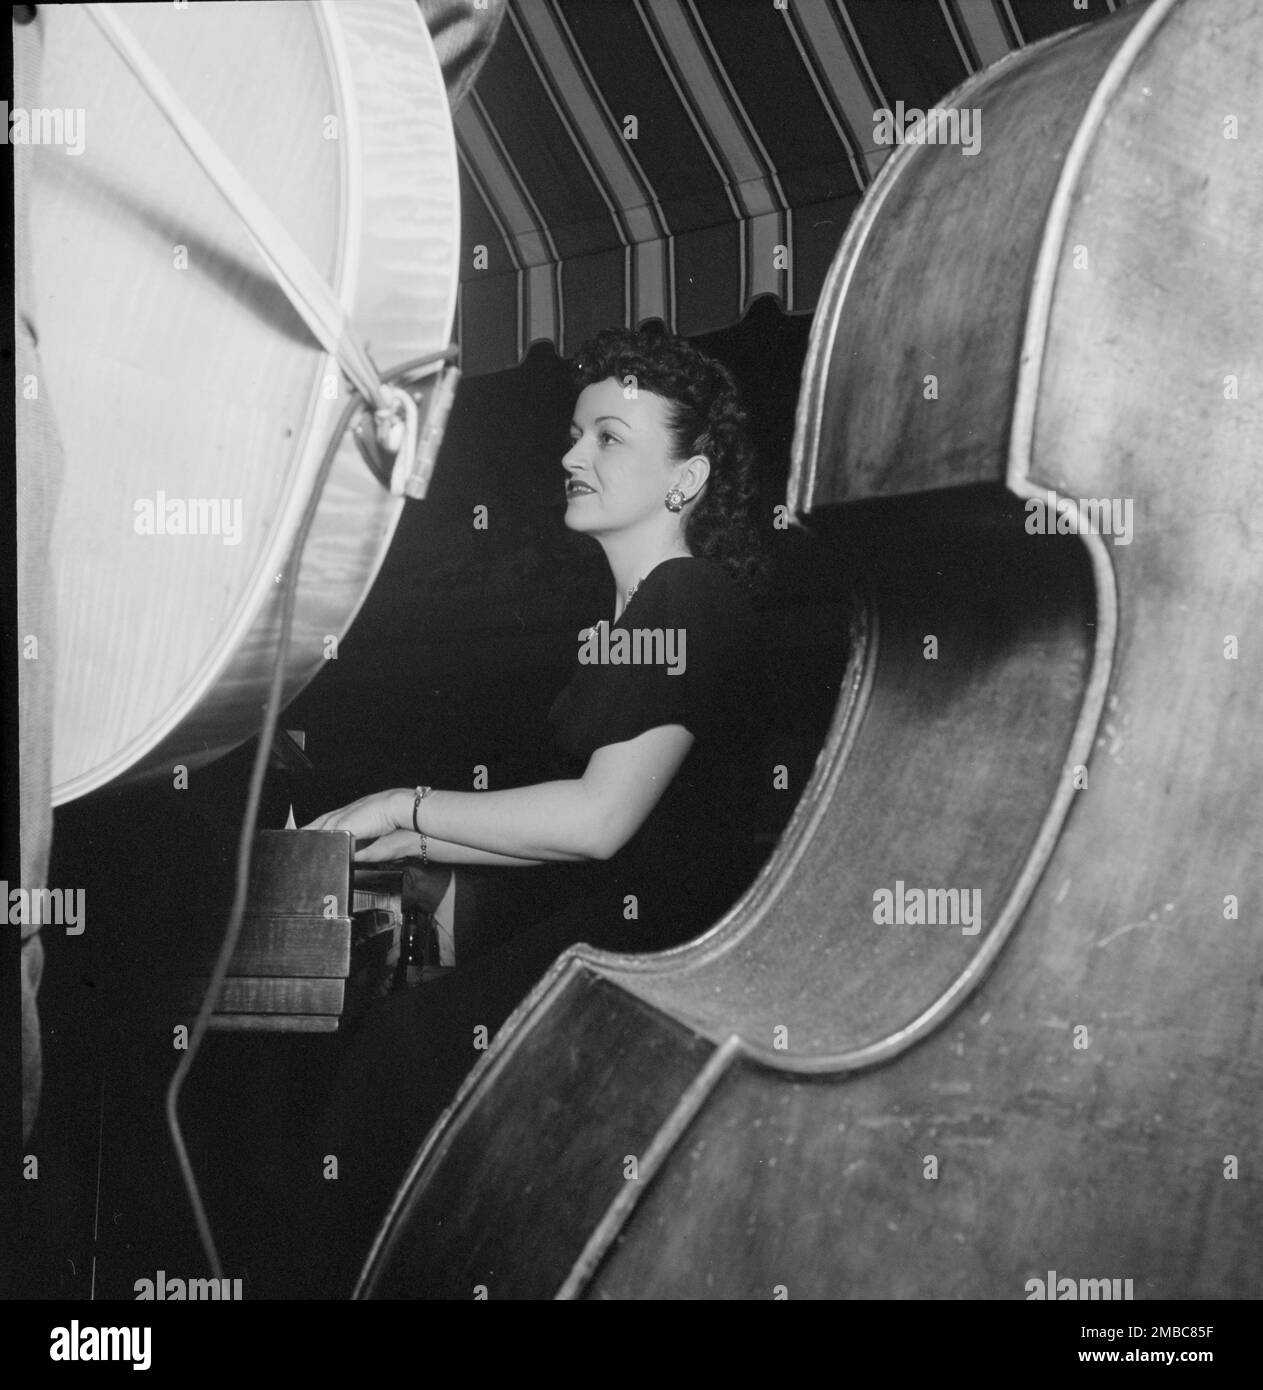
{"x": 675, "y": 500}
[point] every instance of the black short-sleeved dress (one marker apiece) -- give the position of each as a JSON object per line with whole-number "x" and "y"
{"x": 701, "y": 665}
{"x": 683, "y": 868}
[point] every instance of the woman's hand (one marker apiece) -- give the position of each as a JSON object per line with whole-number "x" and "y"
{"x": 369, "y": 818}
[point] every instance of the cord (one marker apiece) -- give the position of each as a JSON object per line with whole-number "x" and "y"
{"x": 245, "y": 844}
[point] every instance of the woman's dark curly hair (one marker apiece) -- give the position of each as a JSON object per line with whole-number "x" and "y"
{"x": 706, "y": 417}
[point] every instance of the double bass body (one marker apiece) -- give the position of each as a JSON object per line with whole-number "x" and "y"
{"x": 810, "y": 1100}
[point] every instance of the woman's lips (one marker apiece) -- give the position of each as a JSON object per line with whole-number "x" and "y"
{"x": 578, "y": 490}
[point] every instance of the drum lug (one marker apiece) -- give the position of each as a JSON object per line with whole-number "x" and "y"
{"x": 400, "y": 448}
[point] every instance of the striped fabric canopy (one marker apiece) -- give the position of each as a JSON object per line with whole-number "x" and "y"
{"x": 624, "y": 160}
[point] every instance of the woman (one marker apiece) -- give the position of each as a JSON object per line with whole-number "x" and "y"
{"x": 655, "y": 740}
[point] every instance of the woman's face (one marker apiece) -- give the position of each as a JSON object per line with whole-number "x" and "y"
{"x": 619, "y": 463}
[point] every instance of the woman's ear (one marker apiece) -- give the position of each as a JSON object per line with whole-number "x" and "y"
{"x": 693, "y": 475}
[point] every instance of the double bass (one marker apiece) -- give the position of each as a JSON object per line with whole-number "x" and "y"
{"x": 988, "y": 1017}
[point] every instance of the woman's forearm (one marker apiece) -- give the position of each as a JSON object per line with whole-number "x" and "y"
{"x": 551, "y": 821}
{"x": 445, "y": 852}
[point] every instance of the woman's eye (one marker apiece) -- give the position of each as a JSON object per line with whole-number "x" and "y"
{"x": 607, "y": 437}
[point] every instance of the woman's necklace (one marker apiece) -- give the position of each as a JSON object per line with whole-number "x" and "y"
{"x": 631, "y": 593}
{"x": 590, "y": 632}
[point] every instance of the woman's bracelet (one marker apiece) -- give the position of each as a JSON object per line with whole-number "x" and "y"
{"x": 421, "y": 794}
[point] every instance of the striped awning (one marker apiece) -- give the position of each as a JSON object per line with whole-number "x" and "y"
{"x": 623, "y": 160}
